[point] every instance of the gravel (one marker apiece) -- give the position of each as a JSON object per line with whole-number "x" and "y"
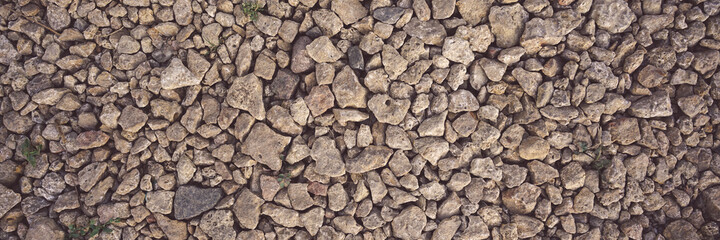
{"x": 357, "y": 119}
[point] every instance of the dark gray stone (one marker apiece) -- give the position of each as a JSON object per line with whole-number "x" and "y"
{"x": 191, "y": 201}
{"x": 356, "y": 58}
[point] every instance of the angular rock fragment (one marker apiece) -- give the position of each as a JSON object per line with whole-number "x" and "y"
{"x": 328, "y": 158}
{"x": 347, "y": 89}
{"x": 507, "y": 23}
{"x": 176, "y": 75}
{"x": 264, "y": 145}
{"x": 322, "y": 50}
{"x": 371, "y": 158}
{"x": 191, "y": 201}
{"x": 246, "y": 93}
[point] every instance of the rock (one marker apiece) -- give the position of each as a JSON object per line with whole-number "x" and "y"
{"x": 301, "y": 61}
{"x": 159, "y": 201}
{"x": 128, "y": 45}
{"x": 541, "y": 173}
{"x": 98, "y": 18}
{"x": 529, "y": 81}
{"x": 268, "y": 25}
{"x": 563, "y": 114}
{"x": 389, "y": 15}
{"x": 533, "y": 148}
{"x": 165, "y": 109}
{"x": 66, "y": 201}
{"x": 614, "y": 175}
{"x": 20, "y": 124}
{"x": 513, "y": 175}
{"x": 322, "y": 50}
{"x": 711, "y": 202}
{"x": 299, "y": 111}
{"x": 396, "y": 138}
{"x": 527, "y": 226}
{"x": 431, "y": 148}
{"x": 320, "y": 100}
{"x": 613, "y": 16}
{"x": 218, "y": 224}
{"x": 347, "y": 89}
{"x": 430, "y": 32}
{"x": 393, "y": 62}
{"x": 32, "y": 30}
{"x": 355, "y": 58}
{"x": 462, "y": 101}
{"x": 8, "y": 199}
{"x": 625, "y": 131}
{"x": 118, "y": 210}
{"x": 388, "y": 110}
{"x": 656, "y": 105}
{"x": 486, "y": 135}
{"x": 281, "y": 120}
{"x": 651, "y": 76}
{"x": 283, "y": 216}
{"x": 409, "y": 223}
{"x": 371, "y": 158}
{"x": 130, "y": 182}
{"x": 691, "y": 105}
{"x": 8, "y": 53}
{"x": 91, "y": 174}
{"x": 183, "y": 12}
{"x": 343, "y": 116}
{"x": 32, "y": 204}
{"x": 191, "y": 201}
{"x": 494, "y": 70}
{"x": 549, "y": 31}
{"x": 251, "y": 235}
{"x": 247, "y": 209}
{"x": 572, "y": 176}
{"x": 313, "y": 220}
{"x": 476, "y": 229}
{"x": 347, "y": 224}
{"x": 91, "y": 139}
{"x": 132, "y": 119}
{"x": 457, "y": 50}
{"x": 447, "y": 228}
{"x": 264, "y": 67}
{"x": 522, "y": 199}
{"x": 284, "y": 84}
{"x": 124, "y": 61}
{"x": 337, "y": 197}
{"x": 584, "y": 201}
{"x": 350, "y": 11}
{"x": 485, "y": 168}
{"x": 327, "y": 157}
{"x": 185, "y": 170}
{"x": 507, "y": 23}
{"x": 443, "y": 9}
{"x": 264, "y": 145}
{"x": 174, "y": 230}
{"x": 299, "y": 196}
{"x": 246, "y": 93}
{"x": 474, "y": 11}
{"x": 705, "y": 61}
{"x": 680, "y": 229}
{"x": 433, "y": 126}
{"x": 44, "y": 228}
{"x": 97, "y": 193}
{"x": 243, "y": 59}
{"x": 49, "y": 96}
{"x": 328, "y": 21}
{"x": 176, "y": 75}
{"x": 422, "y": 10}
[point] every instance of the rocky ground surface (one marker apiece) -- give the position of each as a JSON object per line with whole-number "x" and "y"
{"x": 349, "y": 119}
